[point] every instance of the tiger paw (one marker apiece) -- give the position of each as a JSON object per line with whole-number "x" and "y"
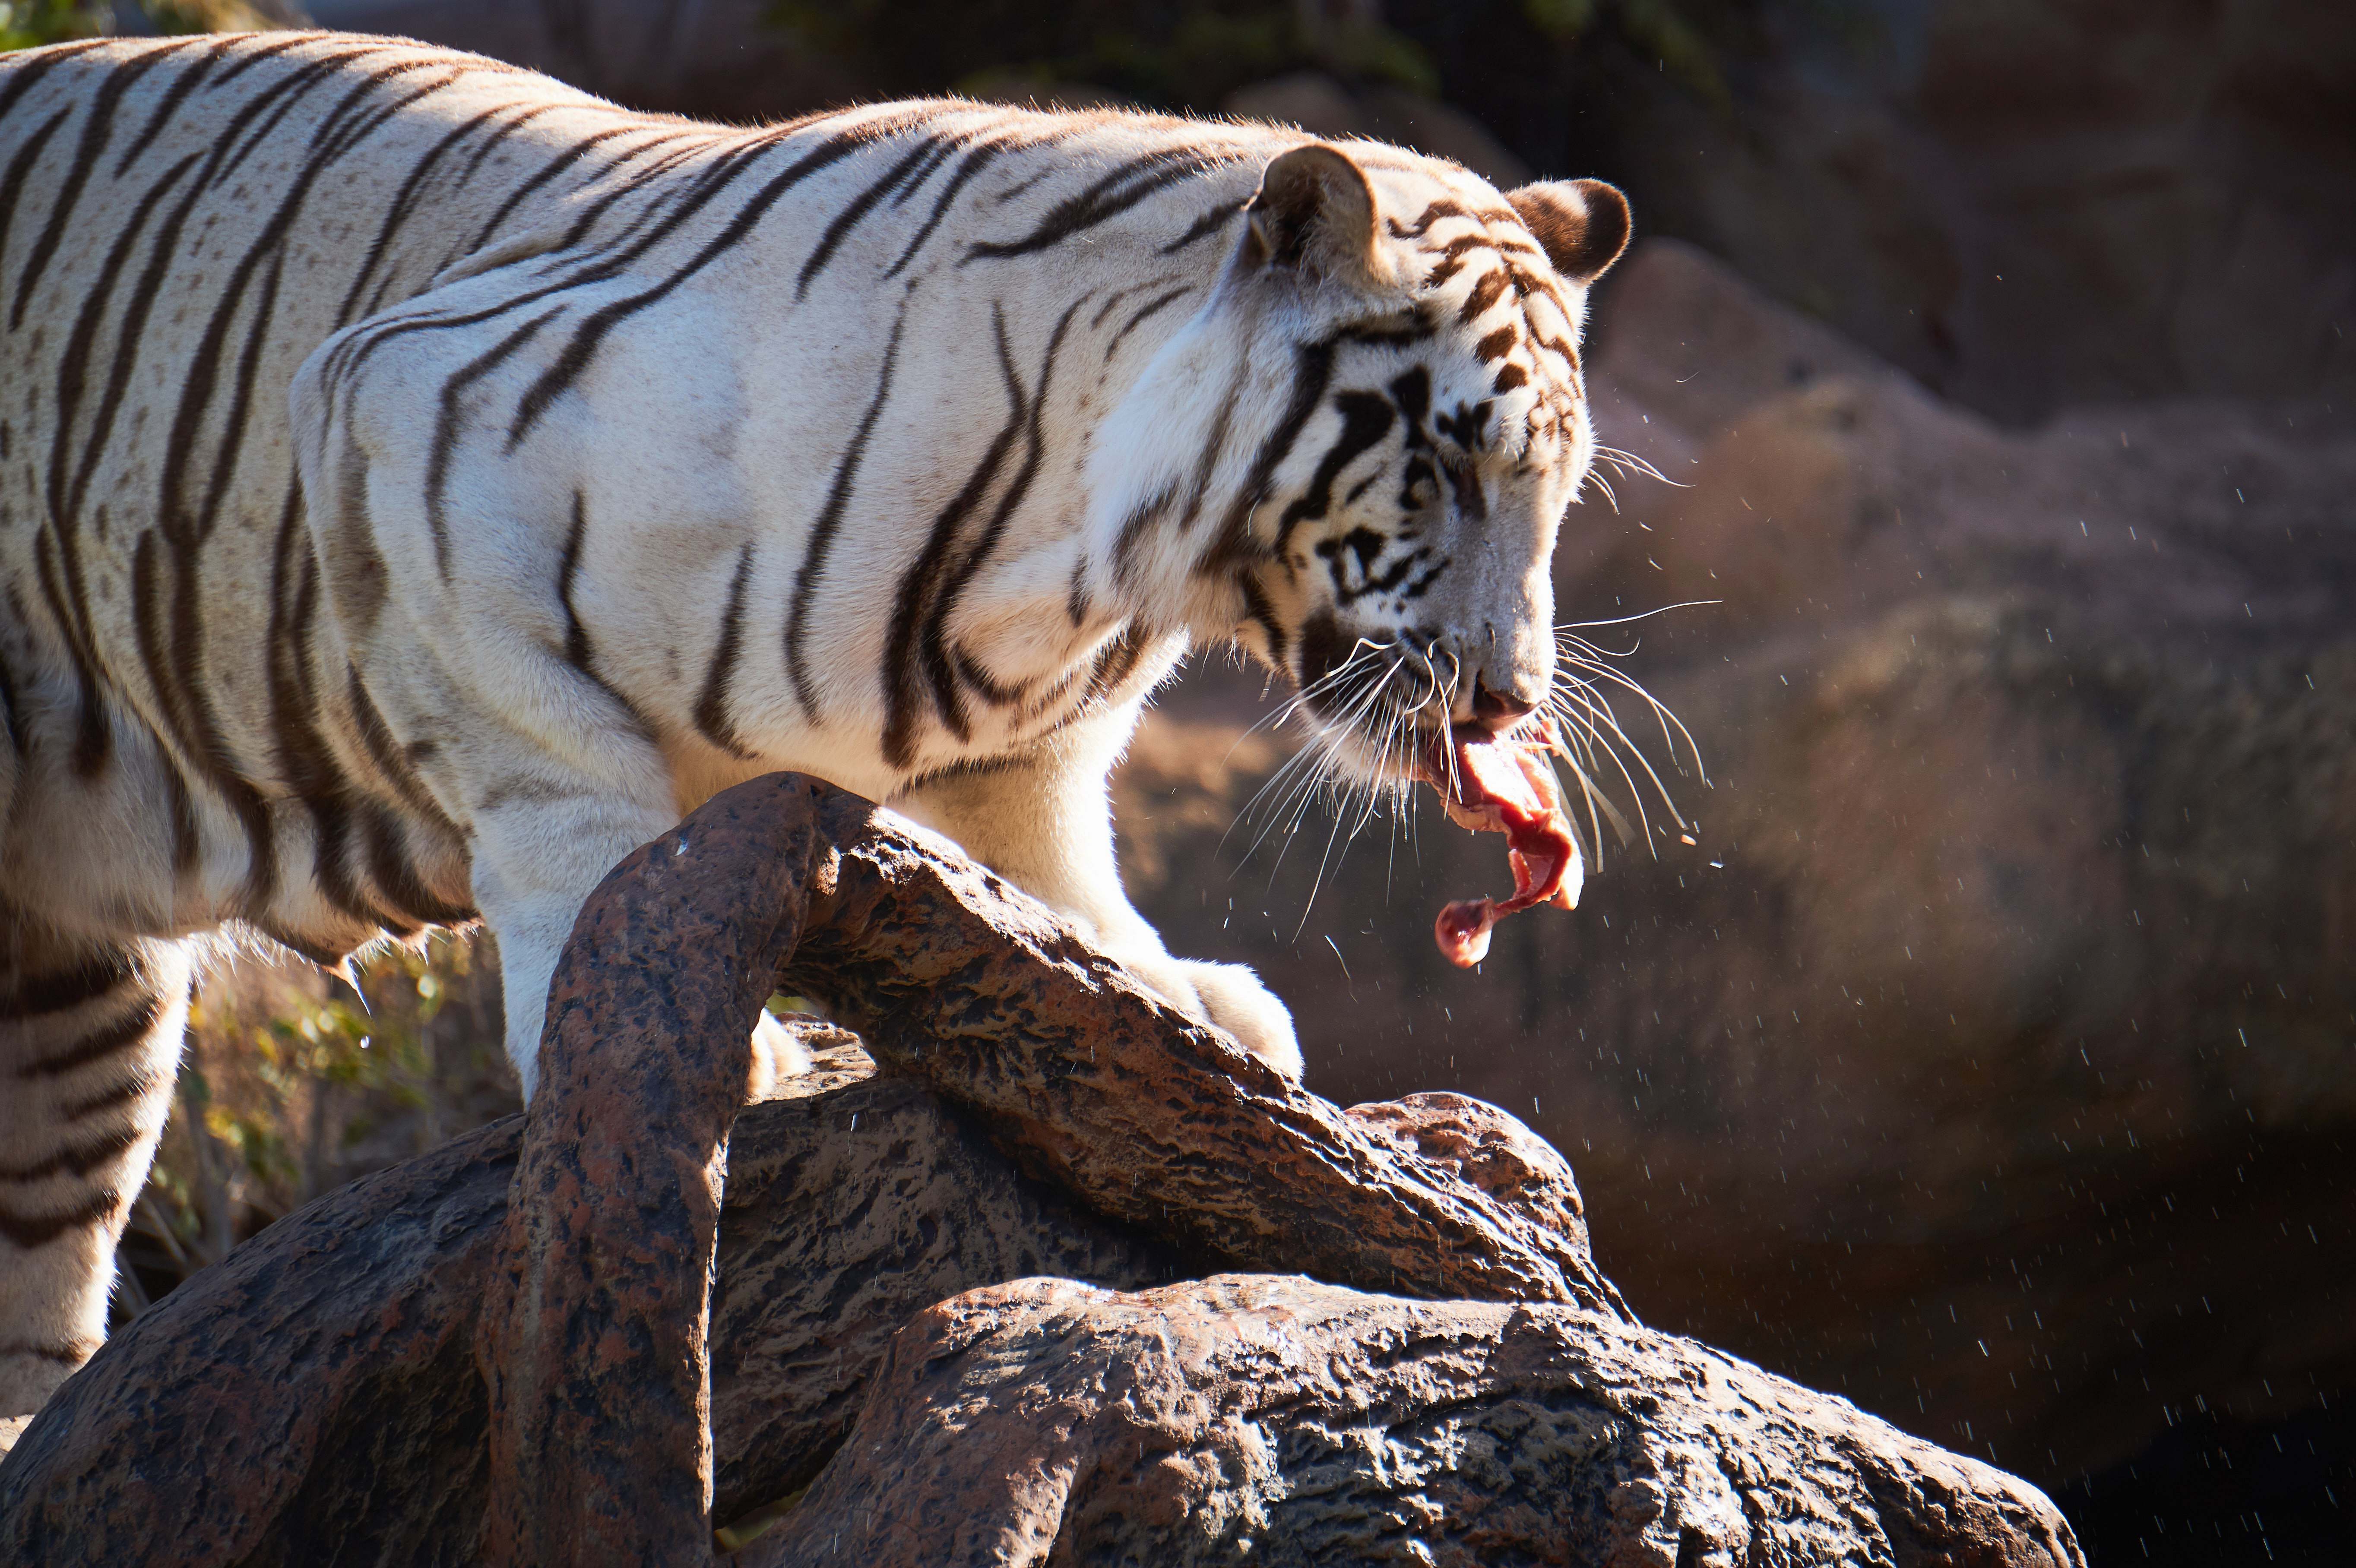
{"x": 777, "y": 1055}
{"x": 1232, "y": 998}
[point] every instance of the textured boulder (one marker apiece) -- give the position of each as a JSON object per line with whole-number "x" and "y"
{"x": 1276, "y": 1420}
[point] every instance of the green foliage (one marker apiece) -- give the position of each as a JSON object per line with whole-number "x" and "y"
{"x": 293, "y": 1084}
{"x": 29, "y": 24}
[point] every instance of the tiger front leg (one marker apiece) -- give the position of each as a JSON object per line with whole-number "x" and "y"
{"x": 1044, "y": 821}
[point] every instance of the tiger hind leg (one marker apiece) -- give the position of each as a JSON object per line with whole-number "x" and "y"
{"x": 90, "y": 1044}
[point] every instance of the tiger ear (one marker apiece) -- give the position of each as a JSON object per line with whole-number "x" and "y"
{"x": 1314, "y": 212}
{"x": 1583, "y": 224}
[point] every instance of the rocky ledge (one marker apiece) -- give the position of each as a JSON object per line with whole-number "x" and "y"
{"x": 591, "y": 1334}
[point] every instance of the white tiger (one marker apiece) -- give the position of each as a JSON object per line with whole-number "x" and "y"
{"x": 421, "y": 482}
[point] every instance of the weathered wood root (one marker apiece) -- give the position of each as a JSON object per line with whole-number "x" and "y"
{"x": 499, "y": 1351}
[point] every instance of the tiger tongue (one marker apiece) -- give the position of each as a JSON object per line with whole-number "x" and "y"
{"x": 1504, "y": 784}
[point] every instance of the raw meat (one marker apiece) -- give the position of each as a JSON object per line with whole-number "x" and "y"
{"x": 1504, "y": 783}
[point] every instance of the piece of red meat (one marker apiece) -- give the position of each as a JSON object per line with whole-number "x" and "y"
{"x": 1504, "y": 783}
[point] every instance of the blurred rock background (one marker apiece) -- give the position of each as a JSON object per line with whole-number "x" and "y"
{"x": 1990, "y": 1055}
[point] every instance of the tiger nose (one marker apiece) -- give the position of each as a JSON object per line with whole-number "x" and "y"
{"x": 1498, "y": 711}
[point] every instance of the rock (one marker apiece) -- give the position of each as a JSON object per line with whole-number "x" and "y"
{"x": 2010, "y": 199}
{"x": 1277, "y": 1420}
{"x": 588, "y": 1334}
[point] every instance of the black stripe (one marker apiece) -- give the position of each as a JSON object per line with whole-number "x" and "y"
{"x": 1106, "y": 198}
{"x": 93, "y": 736}
{"x": 1257, "y": 609}
{"x": 858, "y": 208}
{"x": 971, "y": 165}
{"x": 1140, "y": 520}
{"x": 1422, "y": 225}
{"x": 148, "y": 621}
{"x": 305, "y": 760}
{"x": 970, "y": 673}
{"x": 655, "y": 222}
{"x": 1234, "y": 547}
{"x": 130, "y": 337}
{"x": 1487, "y": 292}
{"x": 186, "y": 845}
{"x": 182, "y": 85}
{"x": 578, "y": 652}
{"x": 1143, "y": 312}
{"x": 384, "y": 751}
{"x": 73, "y": 362}
{"x": 397, "y": 880}
{"x": 179, "y": 681}
{"x": 1365, "y": 419}
{"x": 325, "y": 71}
{"x": 62, "y": 578}
{"x": 12, "y": 706}
{"x": 141, "y": 1083}
{"x": 1113, "y": 663}
{"x": 1212, "y": 219}
{"x": 1112, "y": 301}
{"x": 27, "y": 69}
{"x": 95, "y": 130}
{"x": 252, "y": 50}
{"x": 121, "y": 1035}
{"x": 938, "y": 664}
{"x": 30, "y": 1231}
{"x": 829, "y": 520}
{"x": 86, "y": 982}
{"x": 942, "y": 147}
{"x": 902, "y": 693}
{"x": 569, "y": 365}
{"x": 76, "y": 1159}
{"x": 712, "y": 708}
{"x": 262, "y": 113}
{"x": 557, "y": 165}
{"x": 1404, "y": 330}
{"x": 64, "y": 502}
{"x": 187, "y": 701}
{"x": 445, "y": 428}
{"x": 397, "y": 212}
{"x": 499, "y": 138}
{"x": 12, "y": 184}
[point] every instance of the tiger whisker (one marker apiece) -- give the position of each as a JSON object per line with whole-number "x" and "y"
{"x": 1627, "y": 462}
{"x": 1662, "y": 712}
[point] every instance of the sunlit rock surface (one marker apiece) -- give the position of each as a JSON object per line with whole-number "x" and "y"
{"x": 1251, "y": 1418}
{"x": 1991, "y": 1055}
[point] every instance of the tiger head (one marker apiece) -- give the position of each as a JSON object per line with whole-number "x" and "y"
{"x": 1354, "y": 461}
